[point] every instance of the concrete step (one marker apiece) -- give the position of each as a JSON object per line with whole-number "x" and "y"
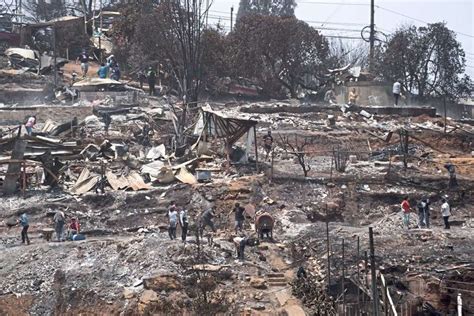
{"x": 275, "y": 275}
{"x": 277, "y": 283}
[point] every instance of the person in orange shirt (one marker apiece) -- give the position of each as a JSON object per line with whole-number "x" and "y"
{"x": 353, "y": 96}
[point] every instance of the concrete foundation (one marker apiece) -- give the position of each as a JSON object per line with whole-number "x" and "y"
{"x": 377, "y": 110}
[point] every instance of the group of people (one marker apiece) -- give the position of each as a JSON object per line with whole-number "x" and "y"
{"x": 111, "y": 65}
{"x": 353, "y": 95}
{"x": 59, "y": 219}
{"x": 206, "y": 219}
{"x": 176, "y": 215}
{"x": 150, "y": 76}
{"x": 423, "y": 209}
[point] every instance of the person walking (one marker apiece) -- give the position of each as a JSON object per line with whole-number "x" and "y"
{"x": 173, "y": 220}
{"x": 84, "y": 60}
{"x": 183, "y": 222}
{"x": 23, "y": 220}
{"x": 239, "y": 217}
{"x": 445, "y": 212}
{"x": 406, "y": 209}
{"x": 397, "y": 89}
{"x": 151, "y": 77}
{"x": 59, "y": 220}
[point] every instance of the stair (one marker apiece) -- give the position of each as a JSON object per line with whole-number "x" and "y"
{"x": 276, "y": 279}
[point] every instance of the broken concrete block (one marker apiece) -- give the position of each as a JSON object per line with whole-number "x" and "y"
{"x": 162, "y": 282}
{"x": 148, "y": 296}
{"x": 258, "y": 283}
{"x": 128, "y": 294}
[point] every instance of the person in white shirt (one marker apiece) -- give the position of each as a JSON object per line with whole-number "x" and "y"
{"x": 397, "y": 89}
{"x": 173, "y": 221}
{"x": 446, "y": 212}
{"x": 30, "y": 124}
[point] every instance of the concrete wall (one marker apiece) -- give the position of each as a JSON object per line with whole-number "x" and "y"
{"x": 454, "y": 110}
{"x": 117, "y": 97}
{"x": 370, "y": 93}
{"x": 57, "y": 114}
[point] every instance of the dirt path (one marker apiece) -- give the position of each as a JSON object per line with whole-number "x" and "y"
{"x": 283, "y": 296}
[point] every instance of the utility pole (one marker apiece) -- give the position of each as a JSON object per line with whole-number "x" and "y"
{"x": 231, "y": 17}
{"x": 375, "y": 295}
{"x": 328, "y": 251}
{"x": 55, "y": 70}
{"x": 445, "y": 113}
{"x": 372, "y": 35}
{"x": 207, "y": 13}
{"x": 100, "y": 31}
{"x": 342, "y": 281}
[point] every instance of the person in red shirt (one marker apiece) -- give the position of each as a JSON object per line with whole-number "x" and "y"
{"x": 406, "y": 209}
{"x": 74, "y": 227}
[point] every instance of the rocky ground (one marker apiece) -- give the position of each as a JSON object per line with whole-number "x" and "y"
{"x": 128, "y": 266}
{"x": 128, "y": 250}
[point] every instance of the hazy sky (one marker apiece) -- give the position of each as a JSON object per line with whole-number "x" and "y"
{"x": 389, "y": 14}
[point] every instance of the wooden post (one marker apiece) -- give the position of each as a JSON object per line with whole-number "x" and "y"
{"x": 375, "y": 296}
{"x": 332, "y": 159}
{"x": 23, "y": 176}
{"x": 342, "y": 281}
{"x": 273, "y": 156}
{"x": 256, "y": 147}
{"x": 366, "y": 261}
{"x": 384, "y": 298}
{"x": 358, "y": 273}
{"x": 328, "y": 251}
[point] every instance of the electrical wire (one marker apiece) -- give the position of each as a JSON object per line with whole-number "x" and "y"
{"x": 415, "y": 19}
{"x": 332, "y": 14}
{"x": 335, "y": 3}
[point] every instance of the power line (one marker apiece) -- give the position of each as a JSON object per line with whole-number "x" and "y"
{"x": 336, "y": 23}
{"x": 216, "y": 11}
{"x": 331, "y": 15}
{"x": 418, "y": 20}
{"x": 335, "y": 3}
{"x": 344, "y": 37}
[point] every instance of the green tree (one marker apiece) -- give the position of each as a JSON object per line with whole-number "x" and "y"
{"x": 429, "y": 60}
{"x": 282, "y": 8}
{"x": 280, "y": 53}
{"x": 42, "y": 10}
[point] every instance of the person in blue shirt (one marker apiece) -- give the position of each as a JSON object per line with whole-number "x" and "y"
{"x": 23, "y": 220}
{"x": 103, "y": 71}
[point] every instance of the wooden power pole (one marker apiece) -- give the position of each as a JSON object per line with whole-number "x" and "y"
{"x": 372, "y": 35}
